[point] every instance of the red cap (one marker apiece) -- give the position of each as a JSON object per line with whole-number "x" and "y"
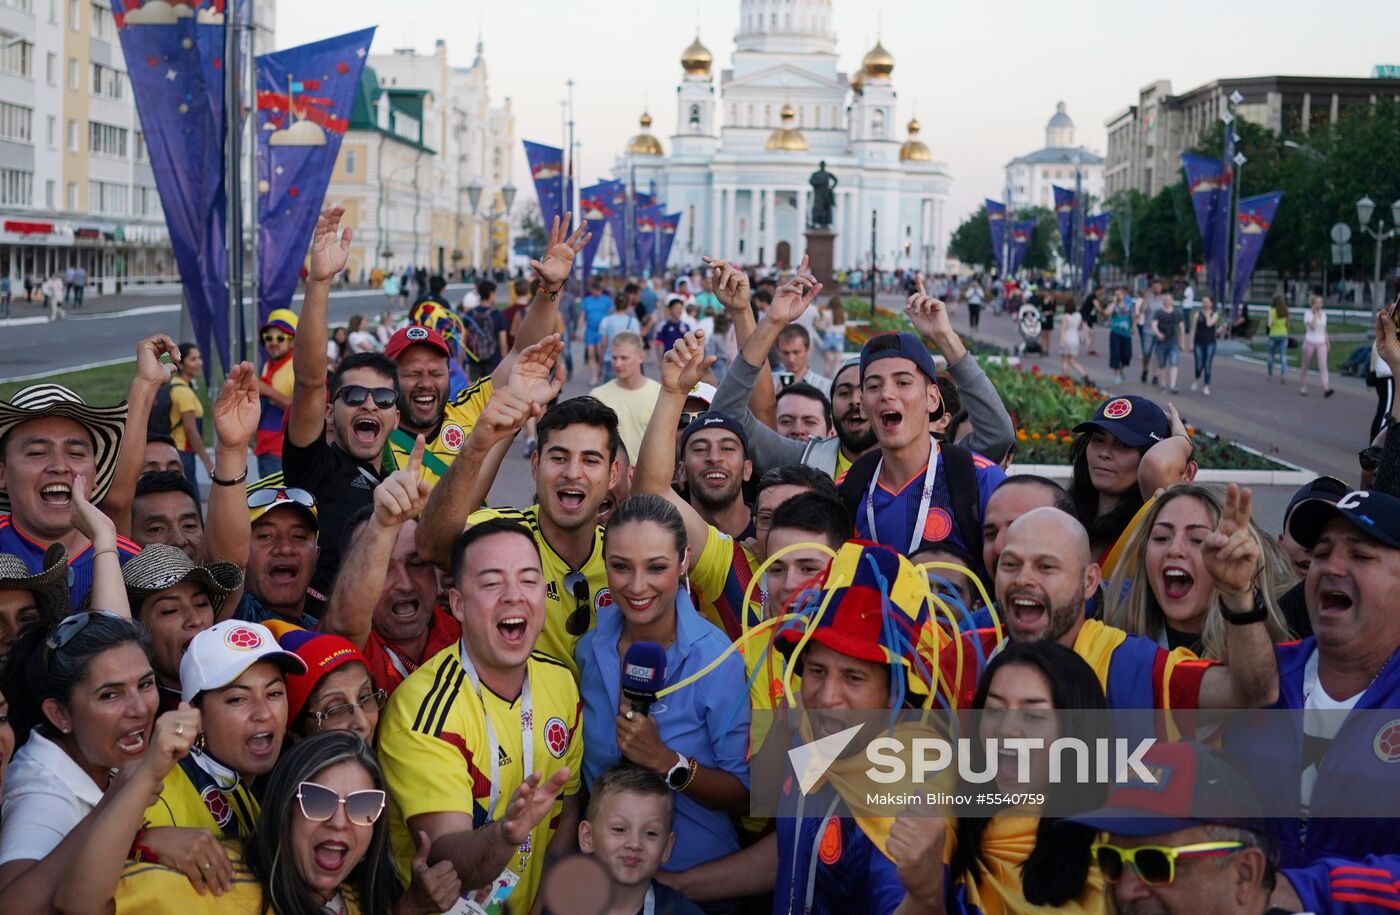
{"x": 413, "y": 335}
{"x": 322, "y": 653}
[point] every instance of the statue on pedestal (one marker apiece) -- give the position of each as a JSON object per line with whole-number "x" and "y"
{"x": 823, "y": 197}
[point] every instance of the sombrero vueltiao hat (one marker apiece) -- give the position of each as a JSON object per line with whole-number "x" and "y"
{"x": 160, "y": 566}
{"x": 283, "y": 319}
{"x": 876, "y": 609}
{"x": 49, "y": 587}
{"x": 103, "y": 423}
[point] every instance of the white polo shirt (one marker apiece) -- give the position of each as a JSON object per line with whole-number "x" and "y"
{"x": 46, "y": 794}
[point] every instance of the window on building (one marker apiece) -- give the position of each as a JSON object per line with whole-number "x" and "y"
{"x": 816, "y": 117}
{"x": 101, "y": 21}
{"x": 74, "y": 6}
{"x": 72, "y": 196}
{"x": 72, "y": 135}
{"x": 107, "y": 81}
{"x": 350, "y": 162}
{"x": 49, "y": 189}
{"x": 144, "y": 201}
{"x": 767, "y": 115}
{"x": 53, "y": 12}
{"x": 107, "y": 140}
{"x": 16, "y": 187}
{"x": 15, "y": 54}
{"x": 107, "y": 197}
{"x": 51, "y": 132}
{"x": 16, "y": 123}
{"x": 142, "y": 154}
{"x": 750, "y": 124}
{"x": 877, "y": 124}
{"x": 24, "y": 6}
{"x": 51, "y": 69}
{"x": 74, "y": 81}
{"x": 695, "y": 118}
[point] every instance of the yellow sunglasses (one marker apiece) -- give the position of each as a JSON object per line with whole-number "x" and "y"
{"x": 1155, "y": 864}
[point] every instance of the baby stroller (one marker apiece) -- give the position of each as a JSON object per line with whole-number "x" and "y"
{"x": 1028, "y": 323}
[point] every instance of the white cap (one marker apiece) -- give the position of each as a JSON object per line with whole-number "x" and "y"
{"x": 703, "y": 391}
{"x": 220, "y": 654}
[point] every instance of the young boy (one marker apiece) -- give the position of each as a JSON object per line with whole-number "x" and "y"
{"x": 672, "y": 329}
{"x": 627, "y": 828}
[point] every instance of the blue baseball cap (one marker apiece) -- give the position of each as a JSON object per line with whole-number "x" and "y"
{"x": 898, "y": 346}
{"x": 1377, "y": 514}
{"x": 1135, "y": 421}
{"x": 715, "y": 420}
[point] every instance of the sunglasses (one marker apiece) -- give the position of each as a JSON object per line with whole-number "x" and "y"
{"x": 688, "y": 418}
{"x": 1369, "y": 458}
{"x": 1155, "y": 864}
{"x": 319, "y": 803}
{"x": 582, "y": 617}
{"x": 338, "y": 715}
{"x": 68, "y": 629}
{"x": 261, "y": 498}
{"x": 355, "y": 394}
{"x": 275, "y": 338}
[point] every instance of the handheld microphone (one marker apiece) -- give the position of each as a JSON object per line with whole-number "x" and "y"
{"x": 643, "y": 674}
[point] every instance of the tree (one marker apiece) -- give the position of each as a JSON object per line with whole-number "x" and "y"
{"x": 1041, "y": 253}
{"x": 971, "y": 242}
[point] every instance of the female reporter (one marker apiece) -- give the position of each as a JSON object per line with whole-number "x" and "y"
{"x": 695, "y": 738}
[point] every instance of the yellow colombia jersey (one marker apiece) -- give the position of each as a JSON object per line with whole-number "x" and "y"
{"x": 560, "y": 600}
{"x": 433, "y": 747}
{"x": 190, "y": 797}
{"x": 719, "y": 577}
{"x": 458, "y": 419}
{"x": 153, "y": 889}
{"x": 843, "y": 464}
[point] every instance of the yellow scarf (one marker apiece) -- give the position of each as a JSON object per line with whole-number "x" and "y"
{"x": 996, "y": 890}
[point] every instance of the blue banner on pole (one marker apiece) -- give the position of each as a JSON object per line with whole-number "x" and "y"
{"x": 996, "y": 225}
{"x": 1064, "y": 217}
{"x": 1208, "y": 183}
{"x": 596, "y": 204}
{"x": 1021, "y": 233}
{"x": 670, "y": 224}
{"x": 303, "y": 110}
{"x": 1095, "y": 231}
{"x": 174, "y": 56}
{"x": 1252, "y": 221}
{"x": 647, "y": 224}
{"x": 547, "y": 171}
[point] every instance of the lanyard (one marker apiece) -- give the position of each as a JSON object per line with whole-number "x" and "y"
{"x": 649, "y": 906}
{"x": 405, "y": 666}
{"x": 814, "y": 858}
{"x": 527, "y": 738}
{"x": 924, "y": 500}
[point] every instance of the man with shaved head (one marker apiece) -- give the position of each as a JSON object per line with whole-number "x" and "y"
{"x": 1046, "y": 572}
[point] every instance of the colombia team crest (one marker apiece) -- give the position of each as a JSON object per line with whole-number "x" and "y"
{"x": 556, "y": 737}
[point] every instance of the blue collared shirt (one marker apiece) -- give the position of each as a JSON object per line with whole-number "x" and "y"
{"x": 708, "y": 720}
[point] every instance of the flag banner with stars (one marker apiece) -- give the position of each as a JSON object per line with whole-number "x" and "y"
{"x": 617, "y": 222}
{"x": 670, "y": 224}
{"x": 1208, "y": 183}
{"x": 1095, "y": 231}
{"x": 1065, "y": 204}
{"x": 547, "y": 171}
{"x": 1253, "y": 217}
{"x": 595, "y": 205}
{"x": 648, "y": 226}
{"x": 174, "y": 59}
{"x": 304, "y": 99}
{"x": 1021, "y": 234}
{"x": 996, "y": 225}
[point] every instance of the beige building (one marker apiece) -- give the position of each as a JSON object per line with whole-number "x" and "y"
{"x": 76, "y": 188}
{"x": 1146, "y": 139}
{"x": 422, "y": 133}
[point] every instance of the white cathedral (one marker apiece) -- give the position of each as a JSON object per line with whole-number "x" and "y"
{"x": 742, "y": 152}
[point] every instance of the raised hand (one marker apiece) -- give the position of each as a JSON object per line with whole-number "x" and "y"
{"x": 88, "y": 519}
{"x": 686, "y": 363}
{"x": 1231, "y": 554}
{"x": 531, "y": 803}
{"x": 533, "y": 372}
{"x": 915, "y": 846}
{"x": 238, "y": 409}
{"x": 928, "y": 315}
{"x": 330, "y": 247}
{"x": 433, "y": 889}
{"x": 400, "y": 497}
{"x": 504, "y": 415}
{"x": 731, "y": 284}
{"x": 149, "y": 368}
{"x": 1387, "y": 344}
{"x": 791, "y": 299}
{"x": 560, "y": 250}
{"x": 174, "y": 734}
{"x": 1178, "y": 427}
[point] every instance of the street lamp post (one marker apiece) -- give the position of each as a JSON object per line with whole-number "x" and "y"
{"x": 383, "y": 188}
{"x": 1365, "y": 209}
{"x": 474, "y": 199}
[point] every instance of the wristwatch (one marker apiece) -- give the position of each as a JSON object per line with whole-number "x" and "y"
{"x": 1258, "y": 614}
{"x": 679, "y": 774}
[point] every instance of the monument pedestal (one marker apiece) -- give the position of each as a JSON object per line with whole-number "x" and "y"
{"x": 821, "y": 244}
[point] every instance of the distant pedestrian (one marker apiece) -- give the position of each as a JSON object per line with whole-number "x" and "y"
{"x": 1315, "y": 343}
{"x": 1120, "y": 334}
{"x": 1278, "y": 338}
{"x": 80, "y": 278}
{"x": 1203, "y": 343}
{"x": 4, "y": 296}
{"x": 1072, "y": 333}
{"x": 28, "y": 287}
{"x": 974, "y": 302}
{"x": 1170, "y": 334}
{"x": 70, "y": 283}
{"x": 1143, "y": 310}
{"x": 53, "y": 298}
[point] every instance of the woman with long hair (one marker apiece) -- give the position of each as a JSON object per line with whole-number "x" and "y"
{"x": 698, "y": 739}
{"x": 1164, "y": 590}
{"x": 1018, "y": 858}
{"x": 1315, "y": 345}
{"x": 187, "y": 411}
{"x": 1104, "y": 462}
{"x": 1278, "y": 338}
{"x": 1071, "y": 336}
{"x": 1203, "y": 343}
{"x": 321, "y": 845}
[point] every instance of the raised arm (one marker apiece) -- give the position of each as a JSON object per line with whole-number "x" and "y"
{"x": 542, "y": 317}
{"x": 681, "y": 369}
{"x": 731, "y": 286}
{"x": 108, "y": 588}
{"x": 1232, "y": 557}
{"x": 399, "y": 498}
{"x": 529, "y": 388}
{"x": 151, "y": 373}
{"x": 228, "y": 532}
{"x": 330, "y": 248}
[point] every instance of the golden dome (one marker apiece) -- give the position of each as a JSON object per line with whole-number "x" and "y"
{"x": 914, "y": 149}
{"x": 644, "y": 144}
{"x": 914, "y": 126}
{"x": 787, "y": 138}
{"x": 858, "y": 82}
{"x": 878, "y": 62}
{"x": 697, "y": 58}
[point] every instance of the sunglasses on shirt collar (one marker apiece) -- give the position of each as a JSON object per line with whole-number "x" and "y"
{"x": 582, "y": 617}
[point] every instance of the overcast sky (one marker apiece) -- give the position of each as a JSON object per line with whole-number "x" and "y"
{"x": 984, "y": 77}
